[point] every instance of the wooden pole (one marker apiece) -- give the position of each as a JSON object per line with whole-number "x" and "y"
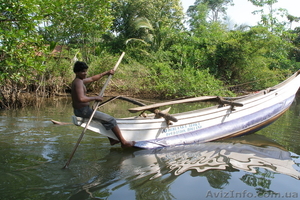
{"x": 97, "y": 104}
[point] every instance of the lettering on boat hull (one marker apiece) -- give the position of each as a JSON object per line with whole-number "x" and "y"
{"x": 181, "y": 129}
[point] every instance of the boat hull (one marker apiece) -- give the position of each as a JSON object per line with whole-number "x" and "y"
{"x": 208, "y": 124}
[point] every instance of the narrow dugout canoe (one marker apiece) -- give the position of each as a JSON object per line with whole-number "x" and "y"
{"x": 228, "y": 119}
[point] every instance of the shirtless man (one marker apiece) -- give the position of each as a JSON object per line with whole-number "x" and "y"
{"x": 80, "y": 102}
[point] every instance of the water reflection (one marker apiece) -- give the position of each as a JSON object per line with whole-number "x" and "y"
{"x": 260, "y": 158}
{"x": 33, "y": 151}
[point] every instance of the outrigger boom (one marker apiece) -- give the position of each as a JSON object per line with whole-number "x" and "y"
{"x": 157, "y": 105}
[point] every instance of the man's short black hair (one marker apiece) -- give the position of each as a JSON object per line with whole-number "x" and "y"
{"x": 79, "y": 66}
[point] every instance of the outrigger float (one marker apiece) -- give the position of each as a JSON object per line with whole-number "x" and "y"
{"x": 231, "y": 117}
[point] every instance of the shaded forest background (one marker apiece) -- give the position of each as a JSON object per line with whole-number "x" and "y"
{"x": 168, "y": 54}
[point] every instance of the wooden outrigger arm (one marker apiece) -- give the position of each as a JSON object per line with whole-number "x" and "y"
{"x": 222, "y": 102}
{"x": 157, "y": 105}
{"x": 122, "y": 98}
{"x": 154, "y": 107}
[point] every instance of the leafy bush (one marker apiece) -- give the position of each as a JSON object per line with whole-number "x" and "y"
{"x": 184, "y": 82}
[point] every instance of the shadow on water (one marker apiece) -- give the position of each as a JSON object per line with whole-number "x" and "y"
{"x": 151, "y": 172}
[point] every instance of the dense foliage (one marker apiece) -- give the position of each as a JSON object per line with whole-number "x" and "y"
{"x": 168, "y": 54}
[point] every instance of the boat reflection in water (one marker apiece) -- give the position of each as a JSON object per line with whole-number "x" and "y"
{"x": 244, "y": 153}
{"x": 213, "y": 160}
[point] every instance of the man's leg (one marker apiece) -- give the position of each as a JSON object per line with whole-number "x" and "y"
{"x": 113, "y": 141}
{"x": 118, "y": 134}
{"x": 108, "y": 122}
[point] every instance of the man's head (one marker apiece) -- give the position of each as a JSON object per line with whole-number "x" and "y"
{"x": 79, "y": 66}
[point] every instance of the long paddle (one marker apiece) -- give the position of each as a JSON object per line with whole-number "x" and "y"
{"x": 97, "y": 104}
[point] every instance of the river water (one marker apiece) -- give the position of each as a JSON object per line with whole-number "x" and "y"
{"x": 33, "y": 151}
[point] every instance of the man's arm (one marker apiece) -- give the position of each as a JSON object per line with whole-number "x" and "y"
{"x": 80, "y": 94}
{"x": 97, "y": 77}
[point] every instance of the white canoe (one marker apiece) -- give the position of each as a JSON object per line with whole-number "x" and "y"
{"x": 249, "y": 114}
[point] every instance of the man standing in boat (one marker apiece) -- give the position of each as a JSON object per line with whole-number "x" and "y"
{"x": 80, "y": 102}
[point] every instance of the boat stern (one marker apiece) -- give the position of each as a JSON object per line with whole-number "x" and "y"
{"x": 77, "y": 120}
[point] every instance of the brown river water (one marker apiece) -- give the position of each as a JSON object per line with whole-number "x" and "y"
{"x": 264, "y": 165}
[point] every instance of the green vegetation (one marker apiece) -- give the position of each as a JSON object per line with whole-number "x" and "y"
{"x": 167, "y": 56}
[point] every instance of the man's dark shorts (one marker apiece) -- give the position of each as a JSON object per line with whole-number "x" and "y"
{"x": 106, "y": 120}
